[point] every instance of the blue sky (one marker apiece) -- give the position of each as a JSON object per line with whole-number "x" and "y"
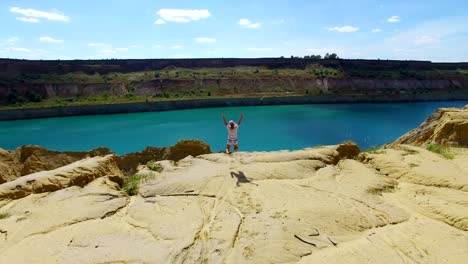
{"x": 100, "y": 29}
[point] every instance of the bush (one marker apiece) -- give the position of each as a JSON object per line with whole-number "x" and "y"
{"x": 4, "y": 215}
{"x": 13, "y": 98}
{"x": 154, "y": 166}
{"x": 33, "y": 97}
{"x": 132, "y": 184}
{"x": 443, "y": 151}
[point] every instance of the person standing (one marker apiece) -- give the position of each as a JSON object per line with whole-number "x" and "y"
{"x": 232, "y": 128}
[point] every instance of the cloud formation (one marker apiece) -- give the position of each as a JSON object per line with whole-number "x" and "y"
{"x": 36, "y": 14}
{"x": 322, "y": 51}
{"x": 425, "y": 40}
{"x": 344, "y": 29}
{"x": 50, "y": 40}
{"x": 260, "y": 49}
{"x": 376, "y": 30}
{"x": 393, "y": 19}
{"x": 12, "y": 39}
{"x": 28, "y": 19}
{"x": 249, "y": 24}
{"x": 15, "y": 49}
{"x": 159, "y": 21}
{"x": 94, "y": 44}
{"x": 181, "y": 15}
{"x": 205, "y": 40}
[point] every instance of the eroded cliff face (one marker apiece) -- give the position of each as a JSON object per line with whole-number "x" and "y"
{"x": 241, "y": 87}
{"x": 447, "y": 126}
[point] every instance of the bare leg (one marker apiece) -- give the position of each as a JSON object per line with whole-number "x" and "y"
{"x": 228, "y": 149}
{"x": 236, "y": 147}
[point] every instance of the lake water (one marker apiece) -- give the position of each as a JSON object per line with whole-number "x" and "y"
{"x": 264, "y": 128}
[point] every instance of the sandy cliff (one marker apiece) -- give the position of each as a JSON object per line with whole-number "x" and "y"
{"x": 447, "y": 126}
{"x": 332, "y": 204}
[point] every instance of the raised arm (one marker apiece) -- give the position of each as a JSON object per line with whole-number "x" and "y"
{"x": 224, "y": 119}
{"x": 241, "y": 118}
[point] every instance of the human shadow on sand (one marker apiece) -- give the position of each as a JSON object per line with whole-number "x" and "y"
{"x": 241, "y": 178}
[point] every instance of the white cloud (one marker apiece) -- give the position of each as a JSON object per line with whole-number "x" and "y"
{"x": 393, "y": 19}
{"x": 321, "y": 51}
{"x": 259, "y": 49}
{"x": 180, "y": 56}
{"x": 176, "y": 47}
{"x": 28, "y": 19}
{"x": 376, "y": 30}
{"x": 136, "y": 46}
{"x": 40, "y": 14}
{"x": 205, "y": 40}
{"x": 159, "y": 21}
{"x": 422, "y": 40}
{"x": 182, "y": 15}
{"x": 248, "y": 24}
{"x": 121, "y": 49}
{"x": 157, "y": 46}
{"x": 425, "y": 40}
{"x": 15, "y": 49}
{"x": 430, "y": 32}
{"x": 50, "y": 40}
{"x": 93, "y": 44}
{"x": 107, "y": 51}
{"x": 344, "y": 29}
{"x": 12, "y": 39}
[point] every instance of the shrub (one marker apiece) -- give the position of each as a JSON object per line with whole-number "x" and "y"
{"x": 130, "y": 95}
{"x": 13, "y": 98}
{"x": 131, "y": 185}
{"x": 33, "y": 97}
{"x": 154, "y": 166}
{"x": 4, "y": 215}
{"x": 443, "y": 151}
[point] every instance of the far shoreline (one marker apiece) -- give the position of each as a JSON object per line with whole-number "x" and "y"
{"x": 136, "y": 107}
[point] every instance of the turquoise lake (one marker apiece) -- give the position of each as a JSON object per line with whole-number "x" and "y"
{"x": 264, "y": 128}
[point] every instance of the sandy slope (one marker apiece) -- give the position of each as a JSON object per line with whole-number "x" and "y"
{"x": 319, "y": 205}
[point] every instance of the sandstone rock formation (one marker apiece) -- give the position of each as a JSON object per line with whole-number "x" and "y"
{"x": 30, "y": 159}
{"x": 401, "y": 204}
{"x": 128, "y": 163}
{"x": 447, "y": 126}
{"x": 78, "y": 173}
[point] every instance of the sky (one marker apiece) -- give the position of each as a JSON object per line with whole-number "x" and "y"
{"x": 363, "y": 29}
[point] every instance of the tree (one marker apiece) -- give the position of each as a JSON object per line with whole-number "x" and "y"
{"x": 313, "y": 57}
{"x": 332, "y": 56}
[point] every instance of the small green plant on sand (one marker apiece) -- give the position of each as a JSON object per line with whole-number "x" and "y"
{"x": 445, "y": 152}
{"x": 154, "y": 166}
{"x": 131, "y": 185}
{"x": 4, "y": 215}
